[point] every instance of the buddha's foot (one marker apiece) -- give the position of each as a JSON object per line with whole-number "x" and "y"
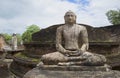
{"x": 64, "y": 63}
{"x": 40, "y": 64}
{"x": 68, "y": 63}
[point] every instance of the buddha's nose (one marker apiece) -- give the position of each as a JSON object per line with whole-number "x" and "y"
{"x": 70, "y": 17}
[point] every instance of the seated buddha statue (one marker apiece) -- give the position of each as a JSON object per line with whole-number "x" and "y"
{"x": 72, "y": 46}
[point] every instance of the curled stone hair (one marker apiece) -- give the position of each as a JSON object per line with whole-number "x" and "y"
{"x": 70, "y": 12}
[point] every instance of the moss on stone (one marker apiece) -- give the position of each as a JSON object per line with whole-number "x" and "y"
{"x": 23, "y": 56}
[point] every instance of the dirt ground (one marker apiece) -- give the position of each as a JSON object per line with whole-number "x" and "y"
{"x": 4, "y": 73}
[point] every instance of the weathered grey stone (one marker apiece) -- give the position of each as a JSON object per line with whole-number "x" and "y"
{"x": 70, "y": 71}
{"x": 74, "y": 68}
{"x": 14, "y": 41}
{"x": 42, "y": 73}
{"x": 74, "y": 50}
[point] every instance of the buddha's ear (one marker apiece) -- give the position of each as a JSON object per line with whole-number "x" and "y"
{"x": 65, "y": 19}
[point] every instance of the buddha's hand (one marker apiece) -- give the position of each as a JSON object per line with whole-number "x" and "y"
{"x": 74, "y": 53}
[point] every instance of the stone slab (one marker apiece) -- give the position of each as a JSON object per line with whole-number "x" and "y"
{"x": 73, "y": 68}
{"x": 39, "y": 73}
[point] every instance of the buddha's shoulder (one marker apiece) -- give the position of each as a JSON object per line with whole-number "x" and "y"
{"x": 80, "y": 26}
{"x": 77, "y": 25}
{"x": 60, "y": 27}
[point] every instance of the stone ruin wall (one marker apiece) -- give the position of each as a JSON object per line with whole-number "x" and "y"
{"x": 103, "y": 40}
{"x": 95, "y": 34}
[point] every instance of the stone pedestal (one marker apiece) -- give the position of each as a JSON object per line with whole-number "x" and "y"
{"x": 54, "y": 71}
{"x": 73, "y": 68}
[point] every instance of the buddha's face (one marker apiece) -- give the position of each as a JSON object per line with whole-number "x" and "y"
{"x": 70, "y": 18}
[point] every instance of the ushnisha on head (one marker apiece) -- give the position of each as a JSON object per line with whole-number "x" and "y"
{"x": 70, "y": 17}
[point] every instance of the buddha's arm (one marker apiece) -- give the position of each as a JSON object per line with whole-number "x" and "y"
{"x": 59, "y": 46}
{"x": 84, "y": 36}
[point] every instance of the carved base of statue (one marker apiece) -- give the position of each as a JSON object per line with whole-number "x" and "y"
{"x": 55, "y": 71}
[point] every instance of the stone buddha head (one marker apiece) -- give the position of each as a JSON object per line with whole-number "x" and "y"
{"x": 70, "y": 17}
